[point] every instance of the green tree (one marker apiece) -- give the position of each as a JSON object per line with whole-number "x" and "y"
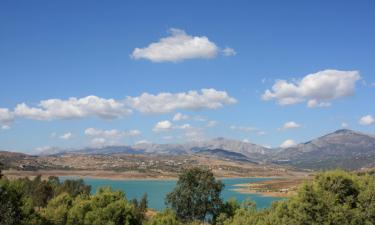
{"x": 10, "y": 205}
{"x": 141, "y": 207}
{"x": 196, "y": 195}
{"x": 167, "y": 217}
{"x": 1, "y": 168}
{"x": 74, "y": 187}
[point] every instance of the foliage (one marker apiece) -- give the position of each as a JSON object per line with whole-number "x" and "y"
{"x": 167, "y": 217}
{"x": 1, "y": 168}
{"x": 334, "y": 197}
{"x": 196, "y": 195}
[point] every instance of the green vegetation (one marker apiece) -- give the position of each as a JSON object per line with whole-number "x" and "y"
{"x": 332, "y": 198}
{"x": 196, "y": 196}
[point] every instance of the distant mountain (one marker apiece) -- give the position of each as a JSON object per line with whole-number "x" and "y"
{"x": 224, "y": 154}
{"x": 340, "y": 149}
{"x": 107, "y": 150}
{"x": 250, "y": 151}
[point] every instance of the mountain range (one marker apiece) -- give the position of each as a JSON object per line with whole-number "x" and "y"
{"x": 341, "y": 149}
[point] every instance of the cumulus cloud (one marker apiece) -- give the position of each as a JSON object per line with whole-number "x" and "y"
{"x": 317, "y": 89}
{"x": 180, "y": 116}
{"x": 93, "y": 106}
{"x": 111, "y": 137}
{"x": 74, "y": 108}
{"x": 6, "y": 116}
{"x": 179, "y": 46}
{"x": 290, "y": 125}
{"x": 367, "y": 120}
{"x": 288, "y": 143}
{"x": 163, "y": 126}
{"x": 192, "y": 100}
{"x": 113, "y": 133}
{"x": 66, "y": 136}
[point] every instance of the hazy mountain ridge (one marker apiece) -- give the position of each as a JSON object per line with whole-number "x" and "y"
{"x": 340, "y": 149}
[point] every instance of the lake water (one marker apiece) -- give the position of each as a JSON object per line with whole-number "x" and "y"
{"x": 158, "y": 189}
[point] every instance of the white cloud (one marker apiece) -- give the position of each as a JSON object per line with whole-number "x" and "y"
{"x": 100, "y": 142}
{"x": 168, "y": 137}
{"x": 66, "y": 136}
{"x": 177, "y": 47}
{"x": 180, "y": 116}
{"x": 313, "y": 103}
{"x": 229, "y": 51}
{"x": 6, "y": 116}
{"x": 143, "y": 141}
{"x": 47, "y": 150}
{"x": 74, "y": 108}
{"x": 242, "y": 128}
{"x": 93, "y": 106}
{"x": 163, "y": 126}
{"x": 261, "y": 133}
{"x": 192, "y": 100}
{"x": 290, "y": 125}
{"x": 288, "y": 143}
{"x": 5, "y": 127}
{"x": 318, "y": 88}
{"x": 112, "y": 137}
{"x": 112, "y": 134}
{"x": 344, "y": 125}
{"x": 185, "y": 126}
{"x": 246, "y": 140}
{"x": 367, "y": 120}
{"x": 211, "y": 123}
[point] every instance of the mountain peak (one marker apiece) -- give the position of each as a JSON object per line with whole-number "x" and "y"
{"x": 344, "y": 131}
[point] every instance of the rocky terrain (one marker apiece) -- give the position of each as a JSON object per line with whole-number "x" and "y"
{"x": 341, "y": 149}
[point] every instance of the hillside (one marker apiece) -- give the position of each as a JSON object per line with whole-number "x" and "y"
{"x": 345, "y": 149}
{"x": 341, "y": 149}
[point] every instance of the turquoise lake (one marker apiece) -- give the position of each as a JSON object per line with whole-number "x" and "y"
{"x": 158, "y": 189}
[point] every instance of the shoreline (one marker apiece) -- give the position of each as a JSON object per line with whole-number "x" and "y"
{"x": 283, "y": 188}
{"x": 113, "y": 175}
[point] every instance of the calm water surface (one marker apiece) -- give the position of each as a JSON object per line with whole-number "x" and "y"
{"x": 158, "y": 189}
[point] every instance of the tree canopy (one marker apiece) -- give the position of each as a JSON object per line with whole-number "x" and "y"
{"x": 196, "y": 195}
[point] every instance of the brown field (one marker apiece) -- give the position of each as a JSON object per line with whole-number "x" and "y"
{"x": 284, "y": 187}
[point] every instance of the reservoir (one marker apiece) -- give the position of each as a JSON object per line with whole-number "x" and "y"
{"x": 158, "y": 189}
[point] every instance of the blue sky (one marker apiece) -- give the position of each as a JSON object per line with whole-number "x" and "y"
{"x": 229, "y": 52}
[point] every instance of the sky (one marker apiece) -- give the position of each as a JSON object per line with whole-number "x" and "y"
{"x": 75, "y": 74}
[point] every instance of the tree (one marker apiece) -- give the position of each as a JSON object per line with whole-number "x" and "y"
{"x": 10, "y": 205}
{"x": 141, "y": 207}
{"x": 1, "y": 168}
{"x": 196, "y": 195}
{"x": 166, "y": 217}
{"x": 74, "y": 187}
